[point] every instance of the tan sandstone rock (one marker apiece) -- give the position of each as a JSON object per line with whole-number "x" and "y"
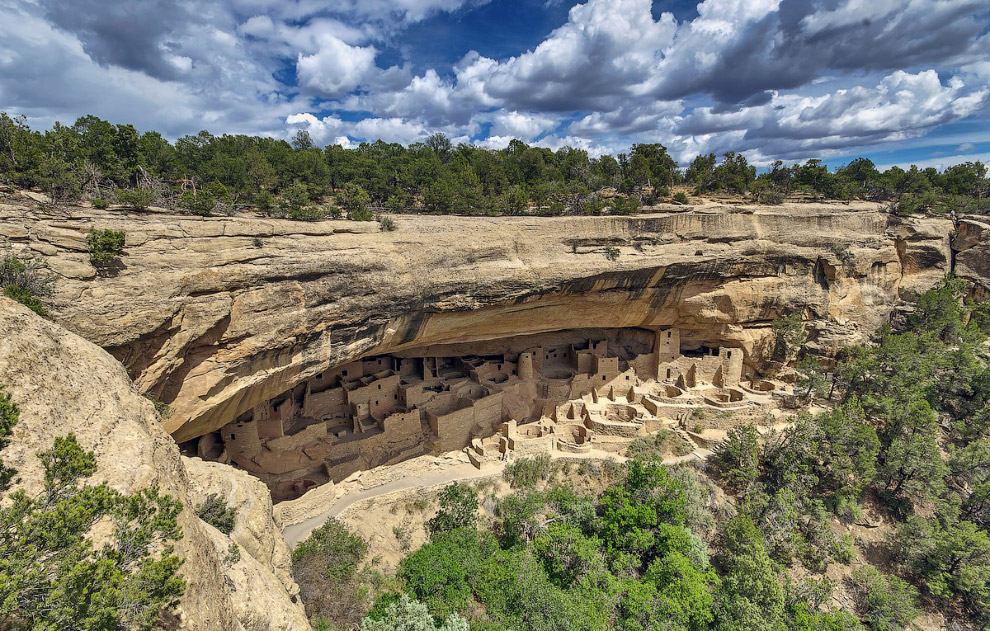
{"x": 972, "y": 245}
{"x": 254, "y": 529}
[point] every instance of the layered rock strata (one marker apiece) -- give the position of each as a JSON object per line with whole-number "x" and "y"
{"x": 218, "y": 315}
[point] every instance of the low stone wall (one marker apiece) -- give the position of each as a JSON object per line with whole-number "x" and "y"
{"x": 616, "y": 428}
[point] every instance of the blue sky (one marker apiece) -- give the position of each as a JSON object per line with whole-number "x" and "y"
{"x": 899, "y": 81}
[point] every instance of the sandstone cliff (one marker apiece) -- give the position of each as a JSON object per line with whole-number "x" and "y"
{"x": 216, "y": 315}
{"x": 971, "y": 243}
{"x": 65, "y": 384}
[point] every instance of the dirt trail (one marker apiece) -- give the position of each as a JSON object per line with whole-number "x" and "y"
{"x": 295, "y": 533}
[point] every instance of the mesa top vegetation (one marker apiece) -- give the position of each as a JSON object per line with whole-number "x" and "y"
{"x": 204, "y": 174}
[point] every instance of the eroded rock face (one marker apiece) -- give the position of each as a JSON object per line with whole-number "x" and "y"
{"x": 972, "y": 245}
{"x": 218, "y": 315}
{"x": 64, "y": 384}
{"x": 264, "y": 566}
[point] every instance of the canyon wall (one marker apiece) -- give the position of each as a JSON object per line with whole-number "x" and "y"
{"x": 217, "y": 315}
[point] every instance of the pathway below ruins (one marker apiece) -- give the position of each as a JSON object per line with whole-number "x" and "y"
{"x": 297, "y": 532}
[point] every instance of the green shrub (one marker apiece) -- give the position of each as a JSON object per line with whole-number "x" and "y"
{"x": 361, "y": 214}
{"x": 216, "y": 513}
{"x": 266, "y": 202}
{"x": 527, "y": 472}
{"x": 612, "y": 253}
{"x": 296, "y": 195}
{"x": 55, "y": 576}
{"x": 788, "y": 337}
{"x": 26, "y": 298}
{"x": 752, "y": 595}
{"x": 883, "y": 602}
{"x": 9, "y": 415}
{"x": 164, "y": 409}
{"x": 233, "y": 556}
{"x": 387, "y": 224}
{"x": 27, "y": 283}
{"x": 520, "y": 516}
{"x": 681, "y": 197}
{"x": 307, "y": 213}
{"x": 458, "y": 509}
{"x": 207, "y": 200}
{"x": 438, "y": 573}
{"x": 332, "y": 550}
{"x": 102, "y": 204}
{"x": 326, "y": 568}
{"x": 658, "y": 446}
{"x": 737, "y": 459}
{"x": 624, "y": 206}
{"x": 105, "y": 246}
{"x": 136, "y": 198}
{"x": 413, "y": 615}
{"x": 644, "y": 513}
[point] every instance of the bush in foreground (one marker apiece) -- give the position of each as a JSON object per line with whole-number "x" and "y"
{"x": 326, "y": 568}
{"x": 105, "y": 246}
{"x": 58, "y": 575}
{"x": 412, "y": 615}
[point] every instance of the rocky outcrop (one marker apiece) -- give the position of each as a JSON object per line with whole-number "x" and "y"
{"x": 64, "y": 384}
{"x": 971, "y": 243}
{"x": 216, "y": 315}
{"x": 264, "y": 550}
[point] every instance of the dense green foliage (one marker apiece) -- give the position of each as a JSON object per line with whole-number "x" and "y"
{"x": 458, "y": 509}
{"x": 410, "y": 615}
{"x": 527, "y": 472}
{"x": 54, "y": 575}
{"x": 9, "y": 415}
{"x": 26, "y": 282}
{"x": 105, "y": 245}
{"x": 136, "y": 198}
{"x": 215, "y": 511}
{"x": 886, "y": 603}
{"x": 334, "y": 549}
{"x": 909, "y": 430}
{"x": 207, "y": 174}
{"x": 332, "y": 587}
{"x": 633, "y": 558}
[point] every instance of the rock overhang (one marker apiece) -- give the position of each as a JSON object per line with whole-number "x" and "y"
{"x": 211, "y": 322}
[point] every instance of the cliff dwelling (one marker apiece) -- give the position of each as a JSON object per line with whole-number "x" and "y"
{"x": 567, "y": 391}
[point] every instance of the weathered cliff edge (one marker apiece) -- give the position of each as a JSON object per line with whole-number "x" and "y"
{"x": 971, "y": 245}
{"x": 64, "y": 384}
{"x": 216, "y": 315}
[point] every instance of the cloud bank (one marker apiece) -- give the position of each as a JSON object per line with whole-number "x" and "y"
{"x": 773, "y": 78}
